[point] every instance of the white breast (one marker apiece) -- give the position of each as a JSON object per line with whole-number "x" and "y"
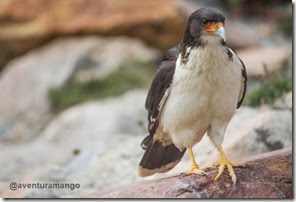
{"x": 206, "y": 88}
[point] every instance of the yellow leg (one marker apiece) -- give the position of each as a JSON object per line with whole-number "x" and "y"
{"x": 225, "y": 162}
{"x": 192, "y": 159}
{"x": 194, "y": 167}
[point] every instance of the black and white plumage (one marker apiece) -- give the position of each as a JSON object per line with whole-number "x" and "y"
{"x": 196, "y": 90}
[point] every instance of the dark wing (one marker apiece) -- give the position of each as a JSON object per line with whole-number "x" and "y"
{"x": 161, "y": 155}
{"x": 159, "y": 91}
{"x": 243, "y": 88}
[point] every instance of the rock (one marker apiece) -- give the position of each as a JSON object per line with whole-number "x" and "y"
{"x": 111, "y": 54}
{"x": 21, "y": 30}
{"x": 257, "y": 133}
{"x": 270, "y": 59}
{"x": 24, "y": 85}
{"x": 24, "y": 162}
{"x": 105, "y": 163}
{"x": 266, "y": 176}
{"x": 123, "y": 115}
{"x": 235, "y": 31}
{"x": 284, "y": 102}
{"x": 83, "y": 152}
{"x": 97, "y": 144}
{"x": 267, "y": 130}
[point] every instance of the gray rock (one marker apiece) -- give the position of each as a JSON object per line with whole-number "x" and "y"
{"x": 269, "y": 60}
{"x": 99, "y": 119}
{"x": 284, "y": 102}
{"x": 110, "y": 55}
{"x": 95, "y": 169}
{"x": 82, "y": 145}
{"x": 25, "y": 82}
{"x": 87, "y": 144}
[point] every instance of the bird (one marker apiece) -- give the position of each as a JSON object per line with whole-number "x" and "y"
{"x": 196, "y": 90}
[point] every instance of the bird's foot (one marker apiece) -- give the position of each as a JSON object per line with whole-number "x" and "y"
{"x": 225, "y": 162}
{"x": 197, "y": 170}
{"x": 193, "y": 170}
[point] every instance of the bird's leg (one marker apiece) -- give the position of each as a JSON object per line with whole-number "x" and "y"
{"x": 194, "y": 167}
{"x": 225, "y": 162}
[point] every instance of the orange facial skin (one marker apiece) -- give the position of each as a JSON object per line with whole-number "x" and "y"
{"x": 212, "y": 27}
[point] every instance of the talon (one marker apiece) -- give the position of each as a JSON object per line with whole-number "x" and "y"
{"x": 194, "y": 167}
{"x": 194, "y": 170}
{"x": 225, "y": 162}
{"x": 221, "y": 169}
{"x": 204, "y": 173}
{"x": 233, "y": 178}
{"x": 231, "y": 173}
{"x": 180, "y": 175}
{"x": 198, "y": 171}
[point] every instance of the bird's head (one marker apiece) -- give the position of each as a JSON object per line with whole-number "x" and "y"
{"x": 205, "y": 23}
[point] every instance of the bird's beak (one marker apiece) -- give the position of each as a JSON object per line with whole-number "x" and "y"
{"x": 221, "y": 32}
{"x": 216, "y": 28}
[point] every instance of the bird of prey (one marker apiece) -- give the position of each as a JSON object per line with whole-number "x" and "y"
{"x": 196, "y": 90}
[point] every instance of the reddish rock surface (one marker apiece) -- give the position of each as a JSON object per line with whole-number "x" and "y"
{"x": 265, "y": 176}
{"x": 26, "y": 24}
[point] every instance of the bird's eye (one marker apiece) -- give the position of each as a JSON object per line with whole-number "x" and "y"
{"x": 203, "y": 21}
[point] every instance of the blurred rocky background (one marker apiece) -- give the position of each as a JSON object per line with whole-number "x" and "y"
{"x": 74, "y": 77}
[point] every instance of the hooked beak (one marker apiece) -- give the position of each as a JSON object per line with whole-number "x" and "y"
{"x": 216, "y": 28}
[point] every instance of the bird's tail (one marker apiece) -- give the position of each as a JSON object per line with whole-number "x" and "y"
{"x": 160, "y": 156}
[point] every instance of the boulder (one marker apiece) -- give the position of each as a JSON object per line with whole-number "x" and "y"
{"x": 266, "y": 176}
{"x": 122, "y": 115}
{"x": 75, "y": 151}
{"x": 24, "y": 85}
{"x": 260, "y": 61}
{"x": 97, "y": 144}
{"x": 21, "y": 29}
{"x": 250, "y": 132}
{"x": 284, "y": 102}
